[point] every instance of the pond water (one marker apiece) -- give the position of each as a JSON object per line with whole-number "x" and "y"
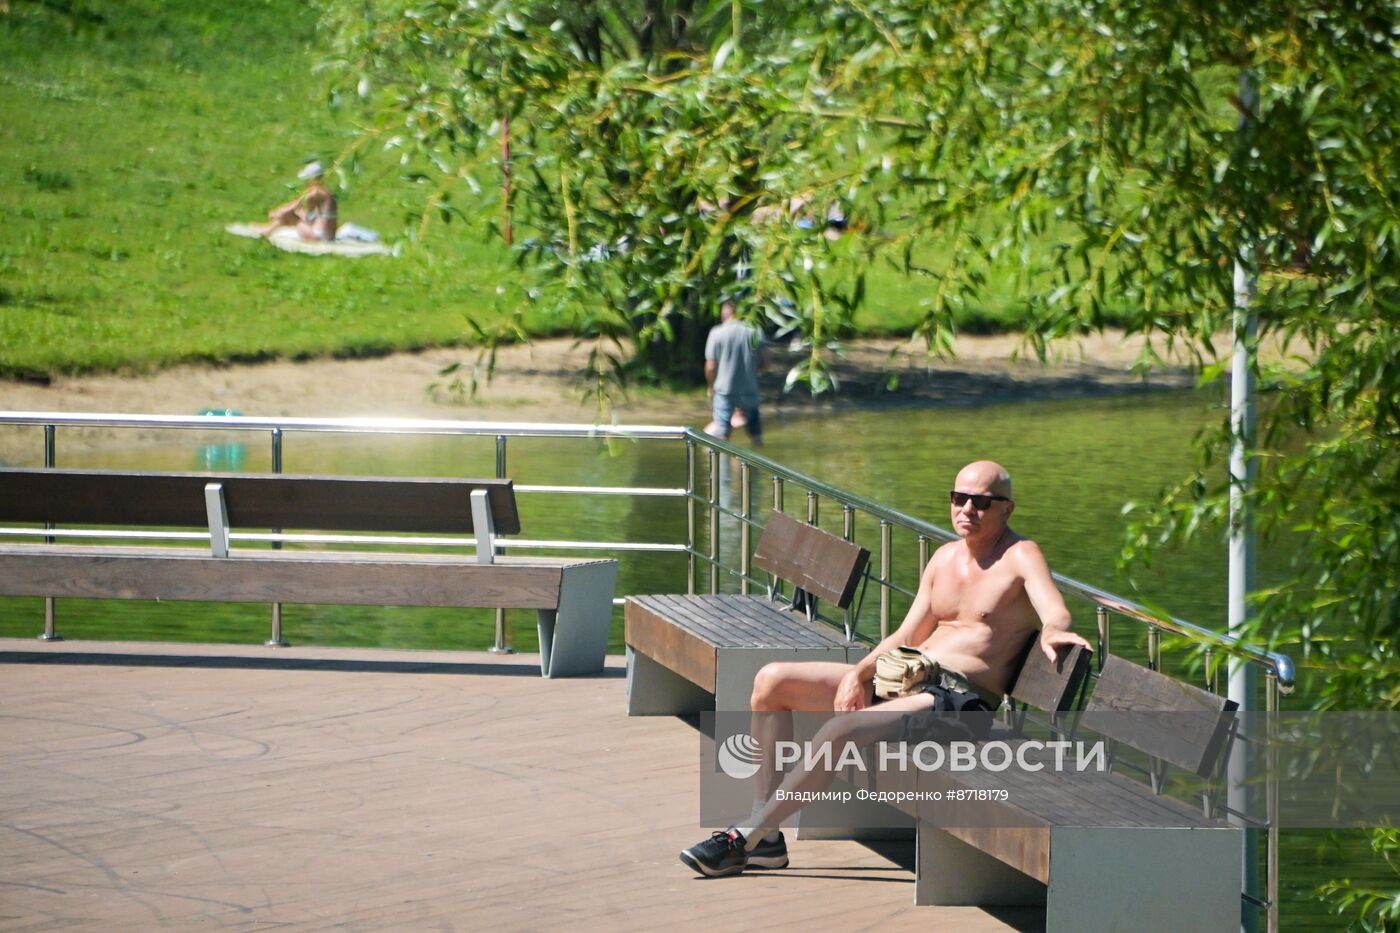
{"x": 1074, "y": 463}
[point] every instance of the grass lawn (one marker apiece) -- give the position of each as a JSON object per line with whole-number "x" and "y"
{"x": 130, "y": 143}
{"x": 134, "y": 132}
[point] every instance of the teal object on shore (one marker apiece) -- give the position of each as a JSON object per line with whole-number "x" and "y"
{"x": 228, "y": 457}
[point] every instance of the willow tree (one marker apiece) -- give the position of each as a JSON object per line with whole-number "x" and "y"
{"x": 658, "y": 153}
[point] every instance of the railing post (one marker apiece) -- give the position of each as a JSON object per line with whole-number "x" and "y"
{"x": 714, "y": 520}
{"x": 1105, "y": 636}
{"x": 745, "y": 532}
{"x": 811, "y": 508}
{"x": 848, "y": 531}
{"x": 502, "y": 644}
{"x": 50, "y": 460}
{"x": 275, "y": 640}
{"x": 690, "y": 516}
{"x": 1158, "y": 769}
{"x": 1271, "y": 856}
{"x": 773, "y": 581}
{"x": 1210, "y": 792}
{"x": 885, "y": 529}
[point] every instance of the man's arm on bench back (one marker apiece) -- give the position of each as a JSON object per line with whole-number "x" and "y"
{"x": 1045, "y": 598}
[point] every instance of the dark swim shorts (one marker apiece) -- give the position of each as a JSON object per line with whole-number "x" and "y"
{"x": 957, "y": 714}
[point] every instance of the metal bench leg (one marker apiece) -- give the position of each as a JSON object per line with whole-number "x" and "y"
{"x": 949, "y": 872}
{"x": 653, "y": 689}
{"x": 1125, "y": 877}
{"x": 574, "y": 640}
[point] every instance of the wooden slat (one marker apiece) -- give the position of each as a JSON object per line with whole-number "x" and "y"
{"x": 1049, "y": 686}
{"x": 731, "y": 621}
{"x": 767, "y": 625}
{"x": 1190, "y": 730}
{"x": 1010, "y": 830}
{"x": 684, "y": 632}
{"x": 655, "y": 636}
{"x": 713, "y": 631}
{"x": 255, "y": 500}
{"x": 336, "y": 577}
{"x": 822, "y": 564}
{"x": 1025, "y": 848}
{"x": 1068, "y": 797}
{"x": 1017, "y": 830}
{"x": 778, "y": 628}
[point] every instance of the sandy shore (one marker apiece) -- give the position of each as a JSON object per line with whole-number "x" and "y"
{"x": 541, "y": 382}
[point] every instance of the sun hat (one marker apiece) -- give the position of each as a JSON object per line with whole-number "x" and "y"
{"x": 313, "y": 169}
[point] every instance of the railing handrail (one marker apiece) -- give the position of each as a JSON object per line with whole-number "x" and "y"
{"x": 336, "y": 425}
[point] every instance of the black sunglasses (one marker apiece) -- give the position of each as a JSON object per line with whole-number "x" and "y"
{"x": 979, "y": 502}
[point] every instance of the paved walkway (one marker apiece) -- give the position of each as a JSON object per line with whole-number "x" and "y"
{"x": 181, "y": 787}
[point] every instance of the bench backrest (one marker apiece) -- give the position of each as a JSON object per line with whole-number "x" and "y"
{"x": 1191, "y": 740}
{"x": 1052, "y": 686}
{"x": 254, "y": 500}
{"x": 817, "y": 562}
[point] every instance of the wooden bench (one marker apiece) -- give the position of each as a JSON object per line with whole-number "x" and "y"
{"x": 572, "y": 598}
{"x": 689, "y": 653}
{"x": 1099, "y": 849}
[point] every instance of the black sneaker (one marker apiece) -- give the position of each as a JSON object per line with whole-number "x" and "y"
{"x": 722, "y": 854}
{"x": 769, "y": 854}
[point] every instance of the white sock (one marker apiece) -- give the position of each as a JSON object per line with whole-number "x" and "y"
{"x": 755, "y": 834}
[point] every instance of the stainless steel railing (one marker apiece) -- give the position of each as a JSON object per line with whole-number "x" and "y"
{"x": 1278, "y": 668}
{"x": 709, "y": 552}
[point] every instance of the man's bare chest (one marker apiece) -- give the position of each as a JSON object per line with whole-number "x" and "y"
{"x": 977, "y": 596}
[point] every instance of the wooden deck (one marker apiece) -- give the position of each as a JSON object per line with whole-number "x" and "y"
{"x": 184, "y": 786}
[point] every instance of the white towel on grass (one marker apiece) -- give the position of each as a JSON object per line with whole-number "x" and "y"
{"x": 351, "y": 240}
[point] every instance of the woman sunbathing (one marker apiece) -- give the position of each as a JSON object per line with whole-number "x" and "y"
{"x": 312, "y": 213}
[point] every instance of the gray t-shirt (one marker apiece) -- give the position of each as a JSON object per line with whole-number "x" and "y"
{"x": 734, "y": 346}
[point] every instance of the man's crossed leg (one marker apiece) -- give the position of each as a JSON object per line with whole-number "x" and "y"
{"x": 780, "y": 689}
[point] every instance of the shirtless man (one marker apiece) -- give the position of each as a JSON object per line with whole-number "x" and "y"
{"x": 979, "y": 600}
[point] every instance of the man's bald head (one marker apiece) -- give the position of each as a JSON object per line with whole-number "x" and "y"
{"x": 984, "y": 476}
